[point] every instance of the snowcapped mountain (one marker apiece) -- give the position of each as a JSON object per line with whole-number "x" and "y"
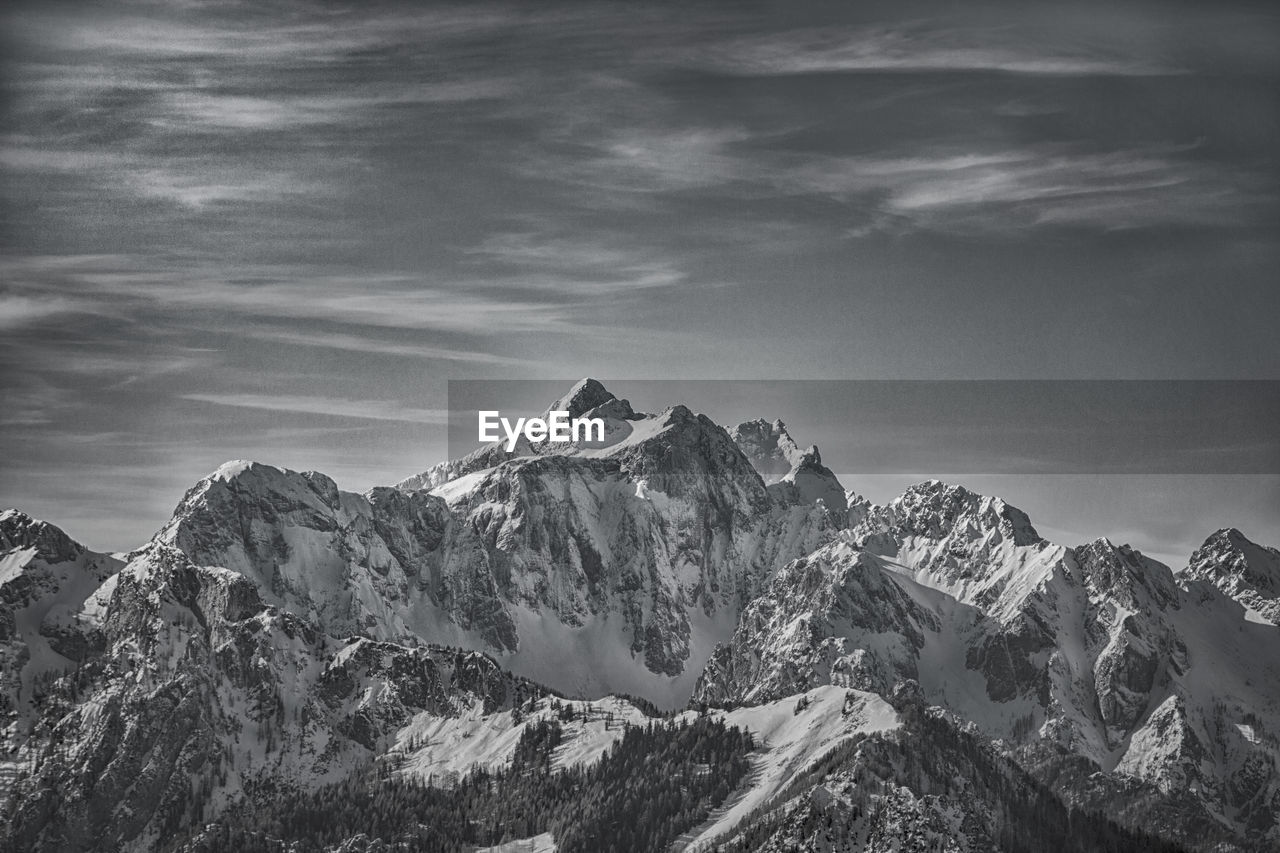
{"x": 611, "y": 566}
{"x": 930, "y": 673}
{"x": 200, "y": 691}
{"x": 1247, "y": 572}
{"x": 45, "y": 580}
{"x": 1095, "y": 650}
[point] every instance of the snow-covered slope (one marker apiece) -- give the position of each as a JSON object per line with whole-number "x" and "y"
{"x": 792, "y": 733}
{"x": 925, "y": 785}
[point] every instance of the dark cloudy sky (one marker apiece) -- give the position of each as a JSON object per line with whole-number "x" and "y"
{"x": 276, "y": 230}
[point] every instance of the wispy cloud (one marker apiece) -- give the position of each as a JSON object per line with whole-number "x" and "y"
{"x": 1035, "y": 187}
{"x": 575, "y": 265}
{"x": 197, "y": 108}
{"x": 135, "y": 288}
{"x": 945, "y": 188}
{"x": 24, "y": 156}
{"x": 648, "y": 160}
{"x": 17, "y": 310}
{"x": 370, "y": 344}
{"x": 884, "y": 49}
{"x": 375, "y": 410}
{"x": 250, "y": 39}
{"x": 189, "y": 182}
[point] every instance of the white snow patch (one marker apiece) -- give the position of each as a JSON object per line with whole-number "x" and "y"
{"x": 543, "y": 843}
{"x": 230, "y": 470}
{"x": 12, "y": 563}
{"x": 440, "y": 750}
{"x": 461, "y": 487}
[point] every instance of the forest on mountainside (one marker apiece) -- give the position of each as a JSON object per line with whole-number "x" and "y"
{"x": 654, "y": 783}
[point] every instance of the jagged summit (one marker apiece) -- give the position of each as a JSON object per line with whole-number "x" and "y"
{"x": 936, "y": 509}
{"x": 13, "y": 513}
{"x": 262, "y": 479}
{"x": 816, "y": 482}
{"x": 1125, "y": 573}
{"x": 1233, "y": 538}
{"x": 770, "y": 448}
{"x": 781, "y": 462}
{"x": 586, "y": 395}
{"x": 20, "y": 531}
{"x": 1244, "y": 570}
{"x": 589, "y": 398}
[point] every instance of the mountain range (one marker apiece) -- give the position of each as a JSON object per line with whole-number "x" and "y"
{"x": 926, "y": 674}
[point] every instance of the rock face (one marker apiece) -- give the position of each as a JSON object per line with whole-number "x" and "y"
{"x": 1244, "y": 570}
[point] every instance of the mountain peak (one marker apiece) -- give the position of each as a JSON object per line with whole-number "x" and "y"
{"x": 14, "y": 516}
{"x": 936, "y": 509}
{"x": 1120, "y": 571}
{"x": 584, "y": 396}
{"x": 19, "y": 530}
{"x": 241, "y": 476}
{"x": 1233, "y": 535}
{"x": 777, "y": 458}
{"x": 940, "y": 487}
{"x": 231, "y": 469}
{"x": 1243, "y": 569}
{"x": 769, "y": 447}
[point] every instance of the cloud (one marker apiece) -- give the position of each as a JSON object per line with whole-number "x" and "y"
{"x": 365, "y": 344}
{"x": 888, "y": 49}
{"x": 194, "y": 109}
{"x": 168, "y": 293}
{"x": 376, "y": 410}
{"x": 674, "y": 160}
{"x": 575, "y": 265}
{"x": 1012, "y": 191}
{"x": 947, "y": 186}
{"x": 193, "y": 183}
{"x": 18, "y": 311}
{"x": 251, "y": 39}
{"x": 202, "y": 187}
{"x": 31, "y": 158}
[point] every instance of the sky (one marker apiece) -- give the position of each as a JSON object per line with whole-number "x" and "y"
{"x": 277, "y": 230}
